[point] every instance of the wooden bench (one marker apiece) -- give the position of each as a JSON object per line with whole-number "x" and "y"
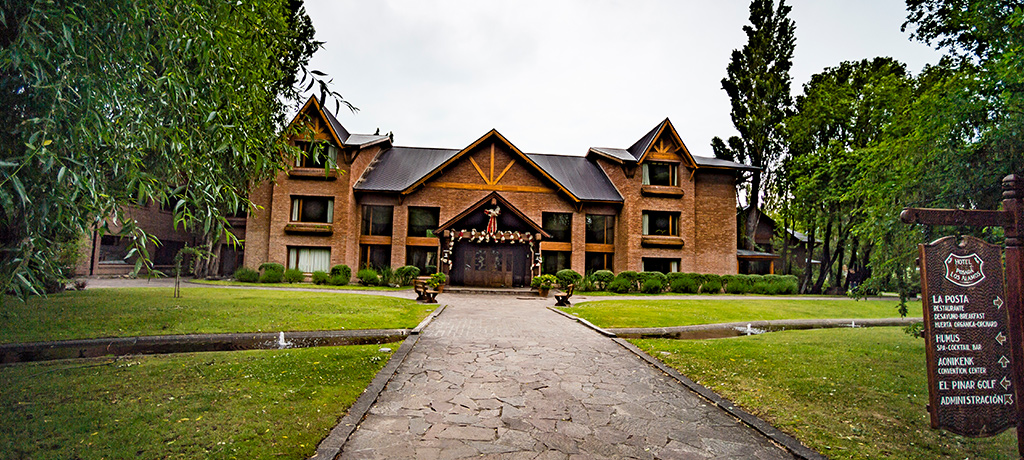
{"x": 562, "y": 298}
{"x": 423, "y": 292}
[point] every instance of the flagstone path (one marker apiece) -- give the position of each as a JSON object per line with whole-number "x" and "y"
{"x": 497, "y": 377}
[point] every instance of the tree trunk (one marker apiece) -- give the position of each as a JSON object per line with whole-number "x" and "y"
{"x": 854, "y": 263}
{"x": 753, "y": 214}
{"x": 826, "y": 260}
{"x": 808, "y": 265}
{"x": 785, "y": 243}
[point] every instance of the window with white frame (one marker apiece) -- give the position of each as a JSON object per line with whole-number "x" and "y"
{"x": 309, "y": 259}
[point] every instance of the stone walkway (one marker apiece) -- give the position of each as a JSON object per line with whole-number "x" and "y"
{"x": 498, "y": 377}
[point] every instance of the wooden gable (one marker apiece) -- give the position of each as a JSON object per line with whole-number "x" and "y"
{"x": 668, "y": 146}
{"x": 491, "y": 164}
{"x": 313, "y": 117}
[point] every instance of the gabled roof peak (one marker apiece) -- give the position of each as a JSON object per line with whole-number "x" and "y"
{"x": 338, "y": 132}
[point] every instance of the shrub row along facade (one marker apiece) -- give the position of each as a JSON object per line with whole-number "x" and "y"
{"x": 489, "y": 214}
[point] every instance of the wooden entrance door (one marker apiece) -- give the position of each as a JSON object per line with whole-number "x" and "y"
{"x": 488, "y": 265}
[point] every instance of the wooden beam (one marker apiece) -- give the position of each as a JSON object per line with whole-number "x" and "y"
{"x": 967, "y": 217}
{"x": 495, "y": 187}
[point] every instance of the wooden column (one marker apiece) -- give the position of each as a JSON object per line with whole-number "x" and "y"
{"x": 1013, "y": 206}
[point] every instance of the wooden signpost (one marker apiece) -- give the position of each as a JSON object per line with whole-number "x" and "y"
{"x": 974, "y": 325}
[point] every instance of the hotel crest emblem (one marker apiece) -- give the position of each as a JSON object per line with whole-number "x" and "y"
{"x": 964, "y": 271}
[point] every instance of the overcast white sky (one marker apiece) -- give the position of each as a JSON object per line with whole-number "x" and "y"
{"x": 560, "y": 76}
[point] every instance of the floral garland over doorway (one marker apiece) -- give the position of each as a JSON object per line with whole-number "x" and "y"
{"x": 492, "y": 234}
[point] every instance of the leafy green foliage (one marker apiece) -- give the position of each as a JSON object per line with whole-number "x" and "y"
{"x": 247, "y": 275}
{"x": 406, "y": 274}
{"x": 339, "y": 280}
{"x": 320, "y": 277}
{"x": 272, "y": 266}
{"x": 110, "y": 104}
{"x": 543, "y": 281}
{"x": 711, "y": 286}
{"x": 294, "y": 275}
{"x": 684, "y": 286}
{"x": 368, "y": 277}
{"x": 568, "y": 276}
{"x": 271, "y": 275}
{"x": 620, "y": 285}
{"x": 341, "y": 270}
{"x": 602, "y": 278}
{"x": 437, "y": 279}
{"x": 652, "y": 286}
{"x": 758, "y": 84}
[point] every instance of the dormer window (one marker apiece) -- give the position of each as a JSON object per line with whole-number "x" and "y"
{"x": 661, "y": 173}
{"x": 317, "y": 155}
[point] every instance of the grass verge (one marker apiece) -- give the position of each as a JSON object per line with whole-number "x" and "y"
{"x": 240, "y": 404}
{"x": 347, "y": 287}
{"x": 847, "y": 393}
{"x": 126, "y": 312}
{"x": 667, "y": 313}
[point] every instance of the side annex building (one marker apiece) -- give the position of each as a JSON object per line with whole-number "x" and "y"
{"x": 489, "y": 214}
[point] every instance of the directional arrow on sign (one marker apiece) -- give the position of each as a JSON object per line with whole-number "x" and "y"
{"x": 998, "y": 302}
{"x": 1005, "y": 382}
{"x": 1001, "y": 338}
{"x": 1004, "y": 361}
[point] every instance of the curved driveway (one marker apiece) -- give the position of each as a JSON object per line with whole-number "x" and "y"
{"x": 500, "y": 377}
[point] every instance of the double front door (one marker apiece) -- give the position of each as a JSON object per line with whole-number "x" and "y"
{"x": 492, "y": 265}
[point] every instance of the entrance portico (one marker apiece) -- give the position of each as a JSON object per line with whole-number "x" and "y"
{"x": 491, "y": 244}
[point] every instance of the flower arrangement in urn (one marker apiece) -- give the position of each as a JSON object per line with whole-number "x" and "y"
{"x": 436, "y": 281}
{"x": 543, "y": 284}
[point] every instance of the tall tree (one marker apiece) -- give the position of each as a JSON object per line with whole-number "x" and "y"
{"x": 843, "y": 113}
{"x": 758, "y": 83}
{"x": 109, "y": 103}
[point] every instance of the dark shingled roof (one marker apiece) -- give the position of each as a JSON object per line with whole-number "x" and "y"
{"x": 716, "y": 163}
{"x": 336, "y": 125}
{"x": 581, "y": 177}
{"x": 352, "y": 140}
{"x": 397, "y": 168}
{"x": 641, "y": 146}
{"x": 622, "y": 155}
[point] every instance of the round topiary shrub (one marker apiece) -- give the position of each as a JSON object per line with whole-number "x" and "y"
{"x": 338, "y": 280}
{"x": 567, "y": 277}
{"x": 342, "y": 270}
{"x": 368, "y": 277}
{"x": 247, "y": 275}
{"x": 684, "y": 285}
{"x": 272, "y": 266}
{"x": 629, "y": 276}
{"x": 653, "y": 285}
{"x": 320, "y": 277}
{"x": 272, "y": 276}
{"x": 294, "y": 275}
{"x": 602, "y": 278}
{"x": 642, "y": 277}
{"x": 620, "y": 285}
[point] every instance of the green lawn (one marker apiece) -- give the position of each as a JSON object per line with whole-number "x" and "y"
{"x": 241, "y": 404}
{"x": 153, "y": 311}
{"x": 347, "y": 287}
{"x": 847, "y": 393}
{"x": 665, "y": 313}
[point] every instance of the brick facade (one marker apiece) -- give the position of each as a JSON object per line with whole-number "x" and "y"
{"x": 700, "y": 203}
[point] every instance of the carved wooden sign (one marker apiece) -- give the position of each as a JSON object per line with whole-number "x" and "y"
{"x": 969, "y": 359}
